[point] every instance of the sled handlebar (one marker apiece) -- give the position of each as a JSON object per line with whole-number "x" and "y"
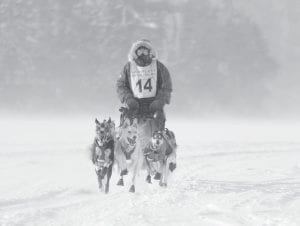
{"x": 136, "y": 114}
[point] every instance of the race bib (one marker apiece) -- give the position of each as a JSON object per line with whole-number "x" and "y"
{"x": 143, "y": 80}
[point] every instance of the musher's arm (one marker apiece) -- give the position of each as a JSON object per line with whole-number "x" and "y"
{"x": 164, "y": 88}
{"x": 123, "y": 86}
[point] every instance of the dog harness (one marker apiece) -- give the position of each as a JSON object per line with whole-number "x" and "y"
{"x": 152, "y": 153}
{"x": 107, "y": 144}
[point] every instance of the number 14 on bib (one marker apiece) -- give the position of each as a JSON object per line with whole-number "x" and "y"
{"x": 144, "y": 88}
{"x": 143, "y": 80}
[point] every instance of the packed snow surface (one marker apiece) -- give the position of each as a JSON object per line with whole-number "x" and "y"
{"x": 229, "y": 173}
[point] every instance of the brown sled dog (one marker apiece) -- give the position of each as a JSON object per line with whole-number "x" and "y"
{"x": 102, "y": 152}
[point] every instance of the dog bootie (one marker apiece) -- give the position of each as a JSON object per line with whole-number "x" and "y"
{"x": 157, "y": 176}
{"x": 162, "y": 184}
{"x": 120, "y": 182}
{"x": 172, "y": 166}
{"x": 106, "y": 188}
{"x": 148, "y": 179}
{"x": 124, "y": 172}
{"x": 132, "y": 189}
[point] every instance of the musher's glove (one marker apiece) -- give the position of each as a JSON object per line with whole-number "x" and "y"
{"x": 156, "y": 105}
{"x": 132, "y": 104}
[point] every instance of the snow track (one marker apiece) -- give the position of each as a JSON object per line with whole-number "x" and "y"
{"x": 234, "y": 182}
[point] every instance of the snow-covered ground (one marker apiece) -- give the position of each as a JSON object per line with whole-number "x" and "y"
{"x": 233, "y": 173}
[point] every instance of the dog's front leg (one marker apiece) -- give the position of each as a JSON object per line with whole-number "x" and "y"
{"x": 108, "y": 176}
{"x": 134, "y": 172}
{"x": 139, "y": 158}
{"x": 166, "y": 172}
{"x": 163, "y": 179}
{"x": 99, "y": 176}
{"x": 123, "y": 169}
{"x": 148, "y": 178}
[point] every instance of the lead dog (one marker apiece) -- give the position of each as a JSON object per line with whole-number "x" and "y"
{"x": 160, "y": 156}
{"x": 126, "y": 155}
{"x": 102, "y": 152}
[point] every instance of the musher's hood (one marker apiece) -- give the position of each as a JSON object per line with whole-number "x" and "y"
{"x": 132, "y": 55}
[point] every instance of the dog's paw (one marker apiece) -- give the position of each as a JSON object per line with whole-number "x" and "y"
{"x": 124, "y": 172}
{"x": 106, "y": 189}
{"x": 162, "y": 184}
{"x": 157, "y": 176}
{"x": 148, "y": 179}
{"x": 172, "y": 166}
{"x": 132, "y": 189}
{"x": 120, "y": 182}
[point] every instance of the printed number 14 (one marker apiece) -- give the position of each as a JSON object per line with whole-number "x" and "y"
{"x": 146, "y": 86}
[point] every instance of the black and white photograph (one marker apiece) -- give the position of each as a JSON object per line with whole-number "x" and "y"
{"x": 149, "y": 112}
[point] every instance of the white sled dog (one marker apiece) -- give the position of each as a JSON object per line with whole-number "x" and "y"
{"x": 127, "y": 155}
{"x": 132, "y": 149}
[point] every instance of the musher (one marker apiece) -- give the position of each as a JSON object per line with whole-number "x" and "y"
{"x": 145, "y": 85}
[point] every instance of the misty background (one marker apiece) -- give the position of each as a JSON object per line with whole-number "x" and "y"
{"x": 226, "y": 57}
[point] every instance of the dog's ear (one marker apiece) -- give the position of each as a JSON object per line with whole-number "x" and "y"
{"x": 96, "y": 121}
{"x": 109, "y": 120}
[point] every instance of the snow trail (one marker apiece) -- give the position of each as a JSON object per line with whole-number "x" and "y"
{"x": 47, "y": 178}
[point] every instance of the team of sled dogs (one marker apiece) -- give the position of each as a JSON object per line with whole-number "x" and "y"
{"x": 134, "y": 145}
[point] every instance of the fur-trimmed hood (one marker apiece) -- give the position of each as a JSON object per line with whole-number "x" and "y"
{"x": 146, "y": 43}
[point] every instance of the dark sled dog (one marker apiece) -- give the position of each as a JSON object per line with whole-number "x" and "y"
{"x": 102, "y": 152}
{"x": 160, "y": 155}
